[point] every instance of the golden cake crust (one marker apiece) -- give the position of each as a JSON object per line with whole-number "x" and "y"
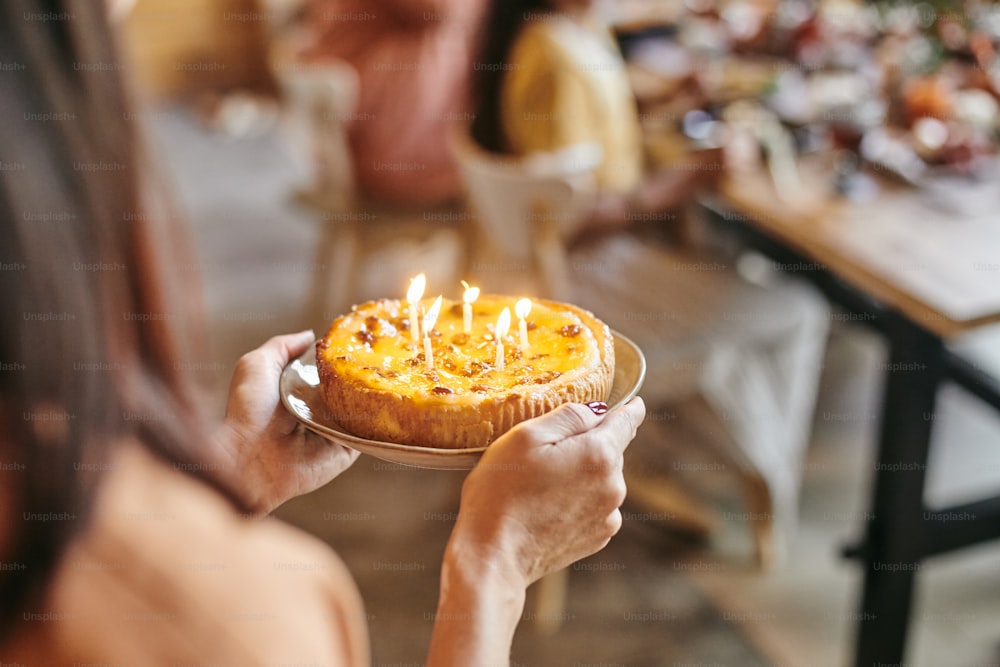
{"x": 375, "y": 382}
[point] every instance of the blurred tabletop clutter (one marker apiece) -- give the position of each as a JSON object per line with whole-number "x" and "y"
{"x": 881, "y": 98}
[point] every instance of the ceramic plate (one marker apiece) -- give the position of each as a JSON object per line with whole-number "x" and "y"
{"x": 299, "y": 387}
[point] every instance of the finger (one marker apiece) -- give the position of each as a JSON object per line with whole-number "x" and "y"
{"x": 323, "y": 447}
{"x": 282, "y": 349}
{"x": 349, "y": 455}
{"x": 564, "y": 422}
{"x": 332, "y": 456}
{"x": 619, "y": 426}
{"x": 613, "y": 522}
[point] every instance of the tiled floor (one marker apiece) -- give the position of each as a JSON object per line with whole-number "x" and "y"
{"x": 643, "y": 601}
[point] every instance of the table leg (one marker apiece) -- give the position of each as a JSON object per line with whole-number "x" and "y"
{"x": 333, "y": 275}
{"x": 550, "y": 601}
{"x": 894, "y": 544}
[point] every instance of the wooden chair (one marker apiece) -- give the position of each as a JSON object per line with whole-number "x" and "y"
{"x": 523, "y": 211}
{"x": 318, "y": 98}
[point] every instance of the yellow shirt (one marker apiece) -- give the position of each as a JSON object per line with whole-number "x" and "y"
{"x": 566, "y": 84}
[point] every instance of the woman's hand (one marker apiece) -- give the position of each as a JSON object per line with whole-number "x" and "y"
{"x": 544, "y": 495}
{"x": 273, "y": 457}
{"x": 547, "y": 493}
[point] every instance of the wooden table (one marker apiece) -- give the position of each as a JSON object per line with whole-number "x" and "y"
{"x": 921, "y": 277}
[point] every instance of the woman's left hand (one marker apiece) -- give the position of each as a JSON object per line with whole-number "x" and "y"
{"x": 273, "y": 457}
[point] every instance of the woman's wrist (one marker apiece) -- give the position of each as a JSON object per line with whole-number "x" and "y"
{"x": 481, "y": 602}
{"x": 489, "y": 555}
{"x": 237, "y": 476}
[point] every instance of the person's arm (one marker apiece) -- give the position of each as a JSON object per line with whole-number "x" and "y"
{"x": 478, "y": 609}
{"x": 269, "y": 457}
{"x": 664, "y": 191}
{"x": 544, "y": 495}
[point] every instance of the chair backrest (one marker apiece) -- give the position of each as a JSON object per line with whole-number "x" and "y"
{"x": 322, "y": 97}
{"x": 525, "y": 207}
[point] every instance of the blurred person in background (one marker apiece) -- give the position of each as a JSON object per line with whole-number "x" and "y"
{"x": 120, "y": 501}
{"x": 412, "y": 61}
{"x": 550, "y": 76}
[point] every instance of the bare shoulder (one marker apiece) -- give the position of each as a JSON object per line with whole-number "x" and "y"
{"x": 169, "y": 573}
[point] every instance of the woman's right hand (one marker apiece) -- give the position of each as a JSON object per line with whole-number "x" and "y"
{"x": 548, "y": 492}
{"x": 544, "y": 495}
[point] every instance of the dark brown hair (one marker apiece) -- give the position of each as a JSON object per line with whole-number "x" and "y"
{"x": 89, "y": 352}
{"x": 504, "y": 23}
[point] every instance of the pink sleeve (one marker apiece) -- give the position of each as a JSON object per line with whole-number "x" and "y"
{"x": 414, "y": 86}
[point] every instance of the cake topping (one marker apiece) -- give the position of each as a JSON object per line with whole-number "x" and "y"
{"x": 570, "y": 330}
{"x": 373, "y": 344}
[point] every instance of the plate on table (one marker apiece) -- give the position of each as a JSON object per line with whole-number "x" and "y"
{"x": 300, "y": 394}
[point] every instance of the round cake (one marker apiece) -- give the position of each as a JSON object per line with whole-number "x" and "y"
{"x": 377, "y": 383}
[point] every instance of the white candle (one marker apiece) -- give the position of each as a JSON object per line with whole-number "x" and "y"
{"x": 522, "y": 308}
{"x": 430, "y": 319}
{"x": 503, "y": 325}
{"x": 413, "y": 294}
{"x": 469, "y": 296}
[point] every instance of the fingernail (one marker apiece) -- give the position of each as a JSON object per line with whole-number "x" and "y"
{"x": 598, "y": 407}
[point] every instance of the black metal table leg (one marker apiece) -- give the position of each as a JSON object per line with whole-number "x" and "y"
{"x": 895, "y": 540}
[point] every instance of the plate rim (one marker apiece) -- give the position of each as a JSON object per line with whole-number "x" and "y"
{"x": 345, "y": 438}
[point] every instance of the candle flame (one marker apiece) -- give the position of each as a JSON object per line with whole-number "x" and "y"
{"x": 470, "y": 294}
{"x": 503, "y": 323}
{"x": 431, "y": 316}
{"x": 417, "y": 285}
{"x": 522, "y": 308}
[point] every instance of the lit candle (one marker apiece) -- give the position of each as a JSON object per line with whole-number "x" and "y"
{"x": 503, "y": 325}
{"x": 522, "y": 308}
{"x": 470, "y": 295}
{"x": 430, "y": 318}
{"x": 417, "y": 285}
